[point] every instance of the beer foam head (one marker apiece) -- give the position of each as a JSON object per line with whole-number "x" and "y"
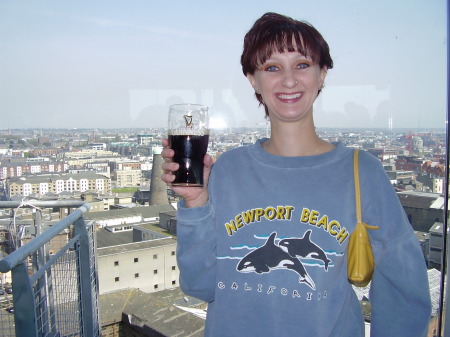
{"x": 190, "y": 119}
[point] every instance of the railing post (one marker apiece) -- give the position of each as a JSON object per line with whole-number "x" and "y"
{"x": 88, "y": 286}
{"x": 24, "y": 304}
{"x": 45, "y": 319}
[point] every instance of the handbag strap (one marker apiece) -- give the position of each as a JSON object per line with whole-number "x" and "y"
{"x": 358, "y": 191}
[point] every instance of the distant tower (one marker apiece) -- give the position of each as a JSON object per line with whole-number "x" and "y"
{"x": 417, "y": 144}
{"x": 158, "y": 188}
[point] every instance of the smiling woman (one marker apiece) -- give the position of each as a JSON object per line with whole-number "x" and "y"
{"x": 286, "y": 62}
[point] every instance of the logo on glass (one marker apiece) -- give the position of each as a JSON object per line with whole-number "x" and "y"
{"x": 188, "y": 120}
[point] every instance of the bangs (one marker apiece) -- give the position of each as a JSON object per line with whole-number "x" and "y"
{"x": 285, "y": 40}
{"x": 275, "y": 33}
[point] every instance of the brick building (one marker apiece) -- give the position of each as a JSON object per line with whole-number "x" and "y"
{"x": 41, "y": 184}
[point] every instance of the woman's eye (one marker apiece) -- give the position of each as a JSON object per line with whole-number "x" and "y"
{"x": 303, "y": 65}
{"x": 271, "y": 68}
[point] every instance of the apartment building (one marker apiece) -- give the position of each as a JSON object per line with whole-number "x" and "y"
{"x": 123, "y": 164}
{"x": 93, "y": 152}
{"x": 97, "y": 146}
{"x": 409, "y": 163}
{"x": 42, "y": 184}
{"x": 18, "y": 169}
{"x": 397, "y": 176}
{"x": 45, "y": 151}
{"x": 144, "y": 139}
{"x": 127, "y": 177}
{"x": 88, "y": 156}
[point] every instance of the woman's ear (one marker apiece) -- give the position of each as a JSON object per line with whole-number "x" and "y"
{"x": 252, "y": 81}
{"x": 323, "y": 75}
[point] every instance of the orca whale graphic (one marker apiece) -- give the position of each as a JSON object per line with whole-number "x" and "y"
{"x": 269, "y": 257}
{"x": 304, "y": 247}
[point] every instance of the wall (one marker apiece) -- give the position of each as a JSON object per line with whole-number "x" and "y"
{"x": 156, "y": 269}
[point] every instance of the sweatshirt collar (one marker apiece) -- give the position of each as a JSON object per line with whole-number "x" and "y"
{"x": 260, "y": 154}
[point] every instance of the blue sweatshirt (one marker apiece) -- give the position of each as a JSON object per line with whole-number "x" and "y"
{"x": 268, "y": 250}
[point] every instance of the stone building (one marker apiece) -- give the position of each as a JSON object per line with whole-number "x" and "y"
{"x": 147, "y": 265}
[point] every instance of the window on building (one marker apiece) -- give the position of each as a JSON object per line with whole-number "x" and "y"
{"x": 173, "y": 267}
{"x": 116, "y": 279}
{"x": 136, "y": 260}
{"x": 155, "y": 271}
{"x": 174, "y": 282}
{"x": 155, "y": 256}
{"x": 136, "y": 275}
{"x": 173, "y": 253}
{"x": 116, "y": 263}
{"x": 155, "y": 286}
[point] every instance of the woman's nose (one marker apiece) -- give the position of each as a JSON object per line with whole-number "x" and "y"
{"x": 289, "y": 79}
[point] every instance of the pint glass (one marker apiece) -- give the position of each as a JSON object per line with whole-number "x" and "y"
{"x": 188, "y": 135}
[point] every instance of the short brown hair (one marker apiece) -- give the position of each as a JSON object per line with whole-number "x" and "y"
{"x": 274, "y": 32}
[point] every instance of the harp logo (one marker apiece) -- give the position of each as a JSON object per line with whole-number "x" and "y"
{"x": 189, "y": 121}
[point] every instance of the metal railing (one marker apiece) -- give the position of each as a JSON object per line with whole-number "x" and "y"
{"x": 52, "y": 295}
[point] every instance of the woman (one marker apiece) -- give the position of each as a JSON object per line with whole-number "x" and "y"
{"x": 265, "y": 243}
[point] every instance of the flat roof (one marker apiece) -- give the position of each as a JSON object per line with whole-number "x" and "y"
{"x": 134, "y": 246}
{"x": 417, "y": 199}
{"x": 153, "y": 312}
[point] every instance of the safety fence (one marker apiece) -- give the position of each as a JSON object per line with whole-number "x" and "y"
{"x": 51, "y": 293}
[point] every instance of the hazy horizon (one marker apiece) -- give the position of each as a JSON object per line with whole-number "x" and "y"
{"x": 109, "y": 64}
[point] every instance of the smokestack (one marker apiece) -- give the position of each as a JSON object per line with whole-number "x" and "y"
{"x": 158, "y": 189}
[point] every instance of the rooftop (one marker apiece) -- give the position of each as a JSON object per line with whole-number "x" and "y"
{"x": 145, "y": 211}
{"x": 154, "y": 314}
{"x": 39, "y": 177}
{"x": 417, "y": 199}
{"x": 133, "y": 246}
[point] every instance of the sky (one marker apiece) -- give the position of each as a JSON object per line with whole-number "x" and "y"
{"x": 121, "y": 64}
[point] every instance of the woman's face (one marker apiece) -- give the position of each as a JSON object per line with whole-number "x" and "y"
{"x": 288, "y": 83}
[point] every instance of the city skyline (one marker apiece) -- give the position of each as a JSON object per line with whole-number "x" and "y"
{"x": 116, "y": 65}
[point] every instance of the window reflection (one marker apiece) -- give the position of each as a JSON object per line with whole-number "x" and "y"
{"x": 386, "y": 93}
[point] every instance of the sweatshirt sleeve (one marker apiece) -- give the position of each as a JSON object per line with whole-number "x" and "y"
{"x": 399, "y": 291}
{"x": 196, "y": 250}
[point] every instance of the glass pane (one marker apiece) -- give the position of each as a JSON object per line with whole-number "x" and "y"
{"x": 105, "y": 72}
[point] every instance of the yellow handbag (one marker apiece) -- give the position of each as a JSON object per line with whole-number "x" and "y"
{"x": 360, "y": 263}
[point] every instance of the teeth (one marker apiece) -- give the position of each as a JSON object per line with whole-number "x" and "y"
{"x": 284, "y": 96}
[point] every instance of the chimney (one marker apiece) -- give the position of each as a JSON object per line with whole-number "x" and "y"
{"x": 158, "y": 188}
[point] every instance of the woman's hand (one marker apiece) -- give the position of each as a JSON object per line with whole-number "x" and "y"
{"x": 193, "y": 196}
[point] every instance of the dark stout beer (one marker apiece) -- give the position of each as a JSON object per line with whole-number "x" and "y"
{"x": 189, "y": 153}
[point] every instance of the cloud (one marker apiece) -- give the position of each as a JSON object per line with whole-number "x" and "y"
{"x": 105, "y": 22}
{"x": 160, "y": 30}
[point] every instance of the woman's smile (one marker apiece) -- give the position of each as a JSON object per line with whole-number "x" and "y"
{"x": 289, "y": 98}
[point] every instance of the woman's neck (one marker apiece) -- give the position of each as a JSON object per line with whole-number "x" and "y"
{"x": 292, "y": 141}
